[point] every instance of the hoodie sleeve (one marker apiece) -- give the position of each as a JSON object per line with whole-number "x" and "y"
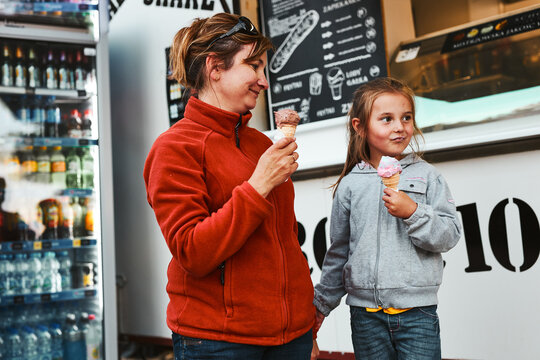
{"x": 434, "y": 226}
{"x": 330, "y": 290}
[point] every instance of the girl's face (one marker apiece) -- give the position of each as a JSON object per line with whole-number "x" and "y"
{"x": 390, "y": 126}
{"x": 237, "y": 88}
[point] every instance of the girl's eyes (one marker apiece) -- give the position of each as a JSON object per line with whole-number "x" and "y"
{"x": 388, "y": 119}
{"x": 255, "y": 66}
{"x": 407, "y": 117}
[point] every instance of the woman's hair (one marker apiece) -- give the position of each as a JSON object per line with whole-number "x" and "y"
{"x": 362, "y": 105}
{"x": 190, "y": 48}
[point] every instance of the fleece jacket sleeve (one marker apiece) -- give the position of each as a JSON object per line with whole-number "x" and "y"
{"x": 177, "y": 192}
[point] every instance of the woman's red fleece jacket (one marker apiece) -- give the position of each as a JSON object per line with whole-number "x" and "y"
{"x": 237, "y": 273}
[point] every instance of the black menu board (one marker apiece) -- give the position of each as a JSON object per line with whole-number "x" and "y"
{"x": 325, "y": 49}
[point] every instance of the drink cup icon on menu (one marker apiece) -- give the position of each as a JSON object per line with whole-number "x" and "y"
{"x": 335, "y": 77}
{"x": 315, "y": 83}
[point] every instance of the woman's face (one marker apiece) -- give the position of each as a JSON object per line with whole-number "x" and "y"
{"x": 237, "y": 88}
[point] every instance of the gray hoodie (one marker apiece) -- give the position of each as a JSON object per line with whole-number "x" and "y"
{"x": 381, "y": 260}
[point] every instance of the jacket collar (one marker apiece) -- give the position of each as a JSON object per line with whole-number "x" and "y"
{"x": 364, "y": 167}
{"x": 221, "y": 121}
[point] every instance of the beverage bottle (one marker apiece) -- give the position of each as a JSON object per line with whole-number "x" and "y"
{"x": 53, "y": 120}
{"x": 24, "y": 115}
{"x": 73, "y": 169}
{"x": 74, "y": 125}
{"x": 86, "y": 128}
{"x": 43, "y": 160}
{"x": 67, "y": 219}
{"x": 39, "y": 115}
{"x": 57, "y": 351}
{"x": 63, "y": 76}
{"x": 79, "y": 72}
{"x": 71, "y": 71}
{"x": 49, "y": 271}
{"x": 44, "y": 342}
{"x": 34, "y": 72}
{"x": 65, "y": 269}
{"x": 29, "y": 344}
{"x": 28, "y": 163}
{"x": 7, "y": 67}
{"x": 58, "y": 167}
{"x": 87, "y": 162}
{"x": 5, "y": 274}
{"x": 51, "y": 218}
{"x": 51, "y": 72}
{"x": 3, "y": 355}
{"x": 13, "y": 345}
{"x": 73, "y": 344}
{"x": 20, "y": 67}
{"x": 89, "y": 218}
{"x": 93, "y": 339}
{"x": 13, "y": 166}
{"x": 34, "y": 273}
{"x": 20, "y": 274}
{"x": 78, "y": 219}
{"x": 11, "y": 274}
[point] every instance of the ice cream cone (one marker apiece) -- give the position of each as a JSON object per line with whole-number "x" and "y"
{"x": 288, "y": 130}
{"x": 391, "y": 182}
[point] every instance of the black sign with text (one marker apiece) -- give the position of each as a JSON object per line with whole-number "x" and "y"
{"x": 493, "y": 30}
{"x": 324, "y": 51}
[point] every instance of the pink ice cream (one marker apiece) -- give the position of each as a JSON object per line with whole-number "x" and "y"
{"x": 388, "y": 166}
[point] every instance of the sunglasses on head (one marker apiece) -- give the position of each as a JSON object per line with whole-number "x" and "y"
{"x": 243, "y": 25}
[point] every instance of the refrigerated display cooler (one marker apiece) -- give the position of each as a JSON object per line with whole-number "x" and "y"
{"x": 56, "y": 214}
{"x": 477, "y": 83}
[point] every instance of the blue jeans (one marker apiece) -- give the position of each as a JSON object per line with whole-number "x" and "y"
{"x": 411, "y": 335}
{"x": 186, "y": 348}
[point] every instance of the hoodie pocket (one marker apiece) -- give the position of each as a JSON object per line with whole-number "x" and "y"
{"x": 414, "y": 187}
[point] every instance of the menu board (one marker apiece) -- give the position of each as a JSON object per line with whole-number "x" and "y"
{"x": 324, "y": 51}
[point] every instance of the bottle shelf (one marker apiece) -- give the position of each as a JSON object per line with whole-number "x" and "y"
{"x": 28, "y": 8}
{"x": 66, "y": 94}
{"x": 46, "y": 141}
{"x": 38, "y": 245}
{"x": 72, "y": 294}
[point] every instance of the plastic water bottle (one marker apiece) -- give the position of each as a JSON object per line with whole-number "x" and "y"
{"x": 20, "y": 274}
{"x": 2, "y": 348}
{"x": 65, "y": 269}
{"x": 49, "y": 270}
{"x": 29, "y": 344}
{"x": 74, "y": 348}
{"x": 13, "y": 345}
{"x": 93, "y": 339}
{"x": 44, "y": 342}
{"x": 34, "y": 272}
{"x": 57, "y": 350}
{"x": 5, "y": 274}
{"x": 11, "y": 276}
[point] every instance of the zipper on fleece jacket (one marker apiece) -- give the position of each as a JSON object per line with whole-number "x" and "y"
{"x": 236, "y": 131}
{"x": 222, "y": 265}
{"x": 376, "y": 285}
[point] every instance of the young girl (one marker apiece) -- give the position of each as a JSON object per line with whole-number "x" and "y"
{"x": 386, "y": 244}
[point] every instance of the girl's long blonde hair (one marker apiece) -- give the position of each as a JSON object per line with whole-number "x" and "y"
{"x": 362, "y": 105}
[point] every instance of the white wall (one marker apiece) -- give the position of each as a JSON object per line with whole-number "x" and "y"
{"x": 138, "y": 37}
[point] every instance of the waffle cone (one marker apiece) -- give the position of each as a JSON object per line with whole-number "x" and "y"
{"x": 288, "y": 130}
{"x": 392, "y": 181}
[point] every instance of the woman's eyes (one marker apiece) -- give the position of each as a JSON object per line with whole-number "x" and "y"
{"x": 255, "y": 66}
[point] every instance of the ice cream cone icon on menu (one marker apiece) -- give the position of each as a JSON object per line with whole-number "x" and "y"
{"x": 286, "y": 121}
{"x": 335, "y": 77}
{"x": 389, "y": 170}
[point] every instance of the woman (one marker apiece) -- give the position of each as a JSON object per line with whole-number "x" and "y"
{"x": 238, "y": 283}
